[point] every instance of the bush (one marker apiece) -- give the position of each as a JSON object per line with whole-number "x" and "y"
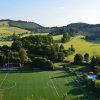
{"x": 43, "y": 63}
{"x": 78, "y": 59}
{"x": 85, "y": 76}
{"x": 98, "y": 76}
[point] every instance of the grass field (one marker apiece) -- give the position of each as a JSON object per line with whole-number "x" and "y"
{"x": 50, "y": 85}
{"x": 11, "y": 30}
{"x": 5, "y": 43}
{"x": 82, "y": 46}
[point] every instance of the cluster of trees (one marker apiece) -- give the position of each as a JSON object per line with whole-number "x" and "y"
{"x": 92, "y": 37}
{"x": 94, "y": 62}
{"x": 66, "y": 37}
{"x": 78, "y": 58}
{"x": 9, "y": 56}
{"x": 42, "y": 63}
{"x": 42, "y": 46}
{"x": 95, "y": 85}
{"x": 36, "y": 50}
{"x": 59, "y": 30}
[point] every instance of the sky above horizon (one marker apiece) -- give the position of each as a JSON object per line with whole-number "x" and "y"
{"x": 51, "y": 12}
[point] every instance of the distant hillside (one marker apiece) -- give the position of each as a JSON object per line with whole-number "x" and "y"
{"x": 88, "y": 28}
{"x": 25, "y": 25}
{"x": 3, "y": 22}
{"x": 73, "y": 28}
{"x": 5, "y": 29}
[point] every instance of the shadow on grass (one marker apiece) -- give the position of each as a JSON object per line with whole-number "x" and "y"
{"x": 80, "y": 98}
{"x": 75, "y": 91}
{"x": 70, "y": 84}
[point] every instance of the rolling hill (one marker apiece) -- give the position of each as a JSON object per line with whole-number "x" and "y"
{"x": 11, "y": 26}
{"x": 87, "y": 28}
{"x": 6, "y": 29}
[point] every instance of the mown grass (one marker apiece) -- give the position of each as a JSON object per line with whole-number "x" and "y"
{"x": 50, "y": 85}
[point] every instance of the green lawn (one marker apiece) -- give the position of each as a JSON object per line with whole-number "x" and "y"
{"x": 50, "y": 85}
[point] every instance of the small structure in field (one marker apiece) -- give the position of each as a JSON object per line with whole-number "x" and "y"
{"x": 59, "y": 67}
{"x": 13, "y": 65}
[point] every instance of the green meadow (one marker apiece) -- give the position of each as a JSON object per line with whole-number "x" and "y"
{"x": 81, "y": 45}
{"x": 43, "y": 85}
{"x": 5, "y": 43}
{"x": 8, "y": 30}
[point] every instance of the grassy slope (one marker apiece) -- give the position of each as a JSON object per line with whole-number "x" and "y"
{"x": 6, "y": 30}
{"x": 10, "y": 30}
{"x": 5, "y": 43}
{"x": 39, "y": 84}
{"x": 82, "y": 46}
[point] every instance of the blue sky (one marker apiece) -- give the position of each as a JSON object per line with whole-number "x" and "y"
{"x": 51, "y": 12}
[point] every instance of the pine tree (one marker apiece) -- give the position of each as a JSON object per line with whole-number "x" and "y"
{"x": 61, "y": 47}
{"x": 86, "y": 57}
{"x": 93, "y": 61}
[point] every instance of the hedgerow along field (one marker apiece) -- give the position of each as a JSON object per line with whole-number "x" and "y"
{"x": 43, "y": 85}
{"x": 25, "y": 35}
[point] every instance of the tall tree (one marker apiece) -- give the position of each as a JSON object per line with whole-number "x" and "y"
{"x": 16, "y": 45}
{"x": 66, "y": 37}
{"x": 97, "y": 60}
{"x": 78, "y": 59}
{"x": 93, "y": 61}
{"x": 61, "y": 56}
{"x": 23, "y": 55}
{"x": 86, "y": 57}
{"x": 53, "y": 53}
{"x": 61, "y": 47}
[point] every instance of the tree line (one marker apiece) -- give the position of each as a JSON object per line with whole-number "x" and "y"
{"x": 93, "y": 62}
{"x": 35, "y": 50}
